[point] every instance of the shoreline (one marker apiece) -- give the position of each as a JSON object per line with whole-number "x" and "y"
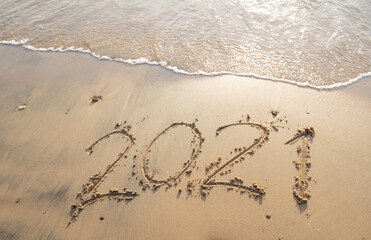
{"x": 180, "y": 71}
{"x": 57, "y": 142}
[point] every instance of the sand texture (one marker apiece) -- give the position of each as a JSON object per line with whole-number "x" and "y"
{"x": 93, "y": 149}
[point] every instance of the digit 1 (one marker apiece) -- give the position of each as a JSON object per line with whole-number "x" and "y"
{"x": 301, "y": 182}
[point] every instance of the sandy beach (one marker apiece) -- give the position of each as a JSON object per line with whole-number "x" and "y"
{"x": 96, "y": 149}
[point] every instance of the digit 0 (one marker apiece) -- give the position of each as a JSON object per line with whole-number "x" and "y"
{"x": 171, "y": 179}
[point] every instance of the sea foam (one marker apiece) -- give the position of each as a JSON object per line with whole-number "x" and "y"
{"x": 175, "y": 69}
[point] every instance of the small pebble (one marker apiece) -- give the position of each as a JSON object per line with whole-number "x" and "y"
{"x": 21, "y": 107}
{"x": 96, "y": 99}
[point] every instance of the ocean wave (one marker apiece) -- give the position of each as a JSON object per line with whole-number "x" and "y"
{"x": 180, "y": 71}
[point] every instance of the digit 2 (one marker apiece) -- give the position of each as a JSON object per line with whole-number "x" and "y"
{"x": 254, "y": 189}
{"x": 89, "y": 194}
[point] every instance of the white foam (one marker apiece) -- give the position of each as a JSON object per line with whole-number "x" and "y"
{"x": 177, "y": 70}
{"x": 14, "y": 42}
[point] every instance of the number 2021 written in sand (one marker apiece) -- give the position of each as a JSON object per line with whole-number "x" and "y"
{"x": 90, "y": 194}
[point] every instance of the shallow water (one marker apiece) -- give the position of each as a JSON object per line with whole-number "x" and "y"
{"x": 318, "y": 43}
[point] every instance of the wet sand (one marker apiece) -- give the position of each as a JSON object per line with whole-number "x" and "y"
{"x": 93, "y": 149}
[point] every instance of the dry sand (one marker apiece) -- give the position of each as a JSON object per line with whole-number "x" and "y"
{"x": 142, "y": 153}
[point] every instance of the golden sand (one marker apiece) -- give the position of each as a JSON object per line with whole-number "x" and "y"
{"x": 94, "y": 149}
